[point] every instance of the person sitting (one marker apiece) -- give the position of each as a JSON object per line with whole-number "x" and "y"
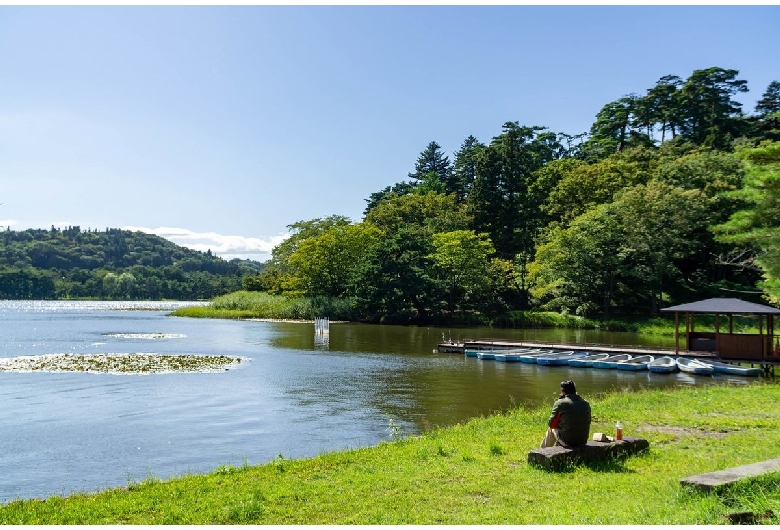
{"x": 569, "y": 422}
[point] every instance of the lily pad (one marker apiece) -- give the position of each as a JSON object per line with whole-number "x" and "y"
{"x": 120, "y": 363}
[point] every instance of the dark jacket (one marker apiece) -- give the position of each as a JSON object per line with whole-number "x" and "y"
{"x": 571, "y": 416}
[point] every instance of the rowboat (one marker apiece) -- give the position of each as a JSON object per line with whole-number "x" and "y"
{"x": 475, "y": 353}
{"x": 731, "y": 369}
{"x": 531, "y": 357}
{"x": 560, "y": 359}
{"x": 588, "y": 360}
{"x": 693, "y": 366}
{"x": 635, "y": 363}
{"x": 487, "y": 355}
{"x": 515, "y": 355}
{"x": 663, "y": 365}
{"x": 611, "y": 361}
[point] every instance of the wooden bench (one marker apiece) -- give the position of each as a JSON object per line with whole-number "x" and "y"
{"x": 558, "y": 456}
{"x": 715, "y": 479}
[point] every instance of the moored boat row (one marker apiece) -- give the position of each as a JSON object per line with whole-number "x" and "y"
{"x": 619, "y": 361}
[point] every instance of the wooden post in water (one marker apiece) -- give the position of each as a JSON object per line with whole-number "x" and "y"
{"x": 321, "y": 325}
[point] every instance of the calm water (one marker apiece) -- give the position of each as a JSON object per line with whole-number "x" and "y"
{"x": 297, "y": 395}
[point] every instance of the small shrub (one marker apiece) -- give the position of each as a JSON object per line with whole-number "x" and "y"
{"x": 496, "y": 449}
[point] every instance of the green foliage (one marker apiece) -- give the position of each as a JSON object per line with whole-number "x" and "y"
{"x": 464, "y": 170}
{"x": 433, "y": 165}
{"x": 758, "y": 225}
{"x": 582, "y": 187}
{"x": 394, "y": 280}
{"x": 324, "y": 264}
{"x": 461, "y": 258}
{"x": 500, "y": 202}
{"x": 712, "y": 117}
{"x": 629, "y": 245}
{"x": 115, "y": 264}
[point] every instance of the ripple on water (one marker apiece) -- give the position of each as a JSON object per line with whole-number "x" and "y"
{"x": 146, "y": 336}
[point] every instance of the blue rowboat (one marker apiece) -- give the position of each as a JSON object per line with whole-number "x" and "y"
{"x": 635, "y": 363}
{"x": 725, "y": 368}
{"x": 531, "y": 357}
{"x": 611, "y": 361}
{"x": 587, "y": 361}
{"x": 560, "y": 359}
{"x": 515, "y": 355}
{"x": 487, "y": 355}
{"x": 475, "y": 353}
{"x": 692, "y": 366}
{"x": 663, "y": 365}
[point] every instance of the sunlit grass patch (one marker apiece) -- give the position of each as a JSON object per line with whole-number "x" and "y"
{"x": 251, "y": 304}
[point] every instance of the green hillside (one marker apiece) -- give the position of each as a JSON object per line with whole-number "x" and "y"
{"x": 111, "y": 264}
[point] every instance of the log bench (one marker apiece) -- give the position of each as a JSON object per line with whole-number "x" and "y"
{"x": 716, "y": 479}
{"x": 558, "y": 456}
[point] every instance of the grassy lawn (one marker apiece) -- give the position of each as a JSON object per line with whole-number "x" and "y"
{"x": 476, "y": 473}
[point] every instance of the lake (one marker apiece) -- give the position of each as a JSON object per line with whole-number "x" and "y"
{"x": 295, "y": 394}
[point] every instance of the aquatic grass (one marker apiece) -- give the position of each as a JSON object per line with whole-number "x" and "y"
{"x": 458, "y": 475}
{"x": 251, "y": 304}
{"x": 541, "y": 319}
{"x": 118, "y": 363}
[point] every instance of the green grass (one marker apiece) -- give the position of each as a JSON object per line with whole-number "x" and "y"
{"x": 251, "y": 304}
{"x": 476, "y": 473}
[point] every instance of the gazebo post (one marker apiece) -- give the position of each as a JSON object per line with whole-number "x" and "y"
{"x": 717, "y": 332}
{"x": 761, "y": 334}
{"x": 676, "y": 332}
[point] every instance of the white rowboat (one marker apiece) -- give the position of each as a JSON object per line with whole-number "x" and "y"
{"x": 635, "y": 363}
{"x": 663, "y": 365}
{"x": 692, "y": 366}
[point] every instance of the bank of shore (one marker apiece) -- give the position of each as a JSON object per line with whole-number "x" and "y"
{"x": 247, "y": 305}
{"x": 476, "y": 473}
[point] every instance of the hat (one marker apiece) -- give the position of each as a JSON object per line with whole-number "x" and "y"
{"x": 568, "y": 387}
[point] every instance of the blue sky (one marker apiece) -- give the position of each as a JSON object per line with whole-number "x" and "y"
{"x": 217, "y": 127}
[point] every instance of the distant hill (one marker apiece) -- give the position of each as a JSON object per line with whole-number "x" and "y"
{"x": 112, "y": 264}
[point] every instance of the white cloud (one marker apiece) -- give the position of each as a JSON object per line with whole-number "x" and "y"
{"x": 227, "y": 247}
{"x": 8, "y": 222}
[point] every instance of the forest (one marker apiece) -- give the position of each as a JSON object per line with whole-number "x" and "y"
{"x": 114, "y": 264}
{"x": 672, "y": 195}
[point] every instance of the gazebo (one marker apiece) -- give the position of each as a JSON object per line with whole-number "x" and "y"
{"x": 727, "y": 344}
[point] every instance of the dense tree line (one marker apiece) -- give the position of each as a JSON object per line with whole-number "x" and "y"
{"x": 671, "y": 196}
{"x": 111, "y": 264}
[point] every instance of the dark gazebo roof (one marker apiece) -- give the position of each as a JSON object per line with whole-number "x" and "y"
{"x": 723, "y": 306}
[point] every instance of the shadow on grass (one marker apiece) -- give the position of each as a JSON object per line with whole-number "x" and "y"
{"x": 614, "y": 464}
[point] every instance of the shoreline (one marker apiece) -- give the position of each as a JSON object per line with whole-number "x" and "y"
{"x": 476, "y": 473}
